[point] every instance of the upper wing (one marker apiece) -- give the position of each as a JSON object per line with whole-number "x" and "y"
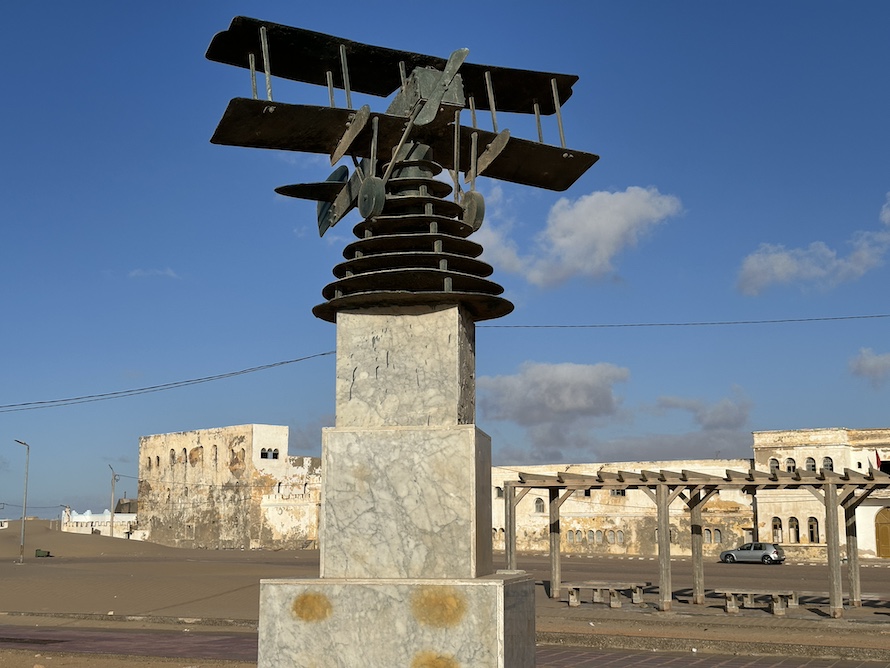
{"x": 307, "y": 56}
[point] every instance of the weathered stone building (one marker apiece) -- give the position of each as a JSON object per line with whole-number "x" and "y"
{"x": 227, "y": 488}
{"x": 795, "y": 518}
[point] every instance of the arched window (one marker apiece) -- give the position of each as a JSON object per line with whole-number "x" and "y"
{"x": 264, "y": 454}
{"x": 149, "y": 463}
{"x": 790, "y": 465}
{"x": 793, "y": 530}
{"x": 570, "y": 536}
{"x": 610, "y": 536}
{"x": 675, "y": 535}
{"x": 777, "y": 530}
{"x": 810, "y": 464}
{"x": 813, "y": 529}
{"x": 708, "y": 537}
{"x": 718, "y": 536}
{"x": 590, "y": 537}
{"x": 578, "y": 537}
{"x": 619, "y": 536}
{"x": 828, "y": 463}
{"x": 773, "y": 465}
{"x": 172, "y": 457}
{"x": 157, "y": 460}
{"x": 539, "y": 505}
{"x": 599, "y": 537}
{"x": 275, "y": 453}
{"x": 499, "y": 492}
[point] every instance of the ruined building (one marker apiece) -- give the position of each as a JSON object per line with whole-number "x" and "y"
{"x": 227, "y": 488}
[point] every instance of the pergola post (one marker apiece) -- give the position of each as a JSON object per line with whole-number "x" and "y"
{"x": 850, "y": 502}
{"x": 852, "y": 556}
{"x": 695, "y": 503}
{"x": 835, "y": 591}
{"x": 665, "y": 590}
{"x": 509, "y": 526}
{"x": 556, "y": 502}
{"x": 555, "y": 539}
{"x": 512, "y": 497}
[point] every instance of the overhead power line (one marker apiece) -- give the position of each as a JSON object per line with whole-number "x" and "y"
{"x": 715, "y": 323}
{"x": 34, "y": 405}
{"x": 54, "y": 403}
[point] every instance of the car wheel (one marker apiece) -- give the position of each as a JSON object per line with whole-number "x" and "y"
{"x": 766, "y": 559}
{"x": 728, "y": 559}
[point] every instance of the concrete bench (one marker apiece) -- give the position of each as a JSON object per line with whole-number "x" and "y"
{"x": 779, "y": 600}
{"x": 600, "y": 589}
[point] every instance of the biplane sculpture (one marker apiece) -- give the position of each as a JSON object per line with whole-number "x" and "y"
{"x": 412, "y": 245}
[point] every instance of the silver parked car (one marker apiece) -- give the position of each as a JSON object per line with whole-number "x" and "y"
{"x": 765, "y": 553}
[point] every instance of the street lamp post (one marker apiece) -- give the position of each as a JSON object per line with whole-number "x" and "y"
{"x": 25, "y": 500}
{"x": 114, "y": 478}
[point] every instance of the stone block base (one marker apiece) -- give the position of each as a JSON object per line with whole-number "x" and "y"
{"x": 406, "y": 502}
{"x": 487, "y": 622}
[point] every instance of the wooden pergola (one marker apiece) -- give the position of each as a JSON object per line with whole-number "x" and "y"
{"x": 834, "y": 490}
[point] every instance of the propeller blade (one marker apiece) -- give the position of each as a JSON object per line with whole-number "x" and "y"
{"x": 431, "y": 107}
{"x": 492, "y": 151}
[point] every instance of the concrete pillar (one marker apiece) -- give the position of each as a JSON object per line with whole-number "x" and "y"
{"x": 510, "y": 525}
{"x": 835, "y": 591}
{"x": 852, "y": 556}
{"x": 665, "y": 591}
{"x": 698, "y": 575}
{"x": 555, "y": 544}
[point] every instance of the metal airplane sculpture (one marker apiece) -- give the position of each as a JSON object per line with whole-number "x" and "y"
{"x": 413, "y": 246}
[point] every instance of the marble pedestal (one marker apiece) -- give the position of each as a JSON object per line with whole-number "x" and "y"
{"x": 406, "y": 563}
{"x": 485, "y": 622}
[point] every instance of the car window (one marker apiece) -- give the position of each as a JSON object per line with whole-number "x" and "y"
{"x": 746, "y": 546}
{"x": 758, "y": 546}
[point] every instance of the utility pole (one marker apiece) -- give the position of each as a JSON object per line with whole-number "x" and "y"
{"x": 114, "y": 478}
{"x": 25, "y": 500}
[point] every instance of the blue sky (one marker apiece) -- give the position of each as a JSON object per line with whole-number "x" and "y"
{"x": 743, "y": 177}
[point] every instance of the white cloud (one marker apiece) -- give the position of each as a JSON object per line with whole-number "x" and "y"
{"x": 544, "y": 394}
{"x": 817, "y": 264}
{"x": 582, "y": 237}
{"x": 867, "y": 364}
{"x": 728, "y": 413}
{"x": 149, "y": 273}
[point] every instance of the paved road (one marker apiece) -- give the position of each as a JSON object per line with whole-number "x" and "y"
{"x": 243, "y": 647}
{"x": 874, "y": 576}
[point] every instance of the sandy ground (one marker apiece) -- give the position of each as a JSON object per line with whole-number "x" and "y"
{"x": 95, "y": 581}
{"x": 96, "y": 575}
{"x": 28, "y": 659}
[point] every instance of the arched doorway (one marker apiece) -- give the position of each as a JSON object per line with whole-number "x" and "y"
{"x": 882, "y": 533}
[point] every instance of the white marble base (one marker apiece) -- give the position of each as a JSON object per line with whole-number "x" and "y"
{"x": 483, "y": 623}
{"x": 406, "y": 502}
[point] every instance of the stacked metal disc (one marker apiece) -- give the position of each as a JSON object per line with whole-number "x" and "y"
{"x": 415, "y": 252}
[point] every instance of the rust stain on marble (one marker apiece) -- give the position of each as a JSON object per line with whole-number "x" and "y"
{"x": 312, "y": 607}
{"x": 440, "y": 607}
{"x": 433, "y": 660}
